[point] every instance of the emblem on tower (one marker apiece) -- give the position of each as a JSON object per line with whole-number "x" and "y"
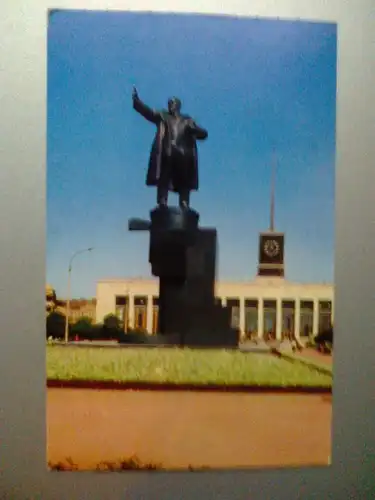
{"x": 271, "y": 242}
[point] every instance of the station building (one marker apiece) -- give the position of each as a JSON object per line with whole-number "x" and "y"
{"x": 265, "y": 307}
{"x": 268, "y": 307}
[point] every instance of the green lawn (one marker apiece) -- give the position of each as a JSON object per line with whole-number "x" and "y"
{"x": 179, "y": 366}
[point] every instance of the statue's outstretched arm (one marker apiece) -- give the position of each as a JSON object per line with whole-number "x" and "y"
{"x": 144, "y": 110}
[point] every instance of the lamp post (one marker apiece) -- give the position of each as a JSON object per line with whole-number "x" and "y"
{"x": 69, "y": 287}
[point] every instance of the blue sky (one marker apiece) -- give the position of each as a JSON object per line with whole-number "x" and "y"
{"x": 257, "y": 86}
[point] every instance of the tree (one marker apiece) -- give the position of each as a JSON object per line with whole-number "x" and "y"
{"x": 82, "y": 327}
{"x": 55, "y": 325}
{"x": 112, "y": 327}
{"x": 50, "y": 299}
{"x": 112, "y": 321}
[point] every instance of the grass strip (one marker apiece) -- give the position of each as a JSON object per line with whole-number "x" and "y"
{"x": 181, "y": 366}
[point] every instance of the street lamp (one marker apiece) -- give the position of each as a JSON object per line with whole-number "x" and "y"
{"x": 69, "y": 286}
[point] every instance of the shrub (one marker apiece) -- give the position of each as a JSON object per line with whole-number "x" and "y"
{"x": 112, "y": 327}
{"x": 326, "y": 336}
{"x": 134, "y": 337}
{"x": 82, "y": 326}
{"x": 111, "y": 321}
{"x": 55, "y": 325}
{"x": 94, "y": 333}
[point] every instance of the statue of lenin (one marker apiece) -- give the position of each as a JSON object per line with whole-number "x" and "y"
{"x": 173, "y": 162}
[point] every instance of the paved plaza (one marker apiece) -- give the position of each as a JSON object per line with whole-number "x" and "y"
{"x": 181, "y": 429}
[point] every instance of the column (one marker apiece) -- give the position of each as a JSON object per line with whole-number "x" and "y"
{"x": 297, "y": 318}
{"x": 316, "y": 317}
{"x": 150, "y": 310}
{"x": 131, "y": 310}
{"x": 279, "y": 319}
{"x": 260, "y": 319}
{"x": 242, "y": 317}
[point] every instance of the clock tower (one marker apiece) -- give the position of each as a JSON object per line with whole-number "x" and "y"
{"x": 271, "y": 244}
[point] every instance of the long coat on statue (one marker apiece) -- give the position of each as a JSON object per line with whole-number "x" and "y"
{"x": 161, "y": 145}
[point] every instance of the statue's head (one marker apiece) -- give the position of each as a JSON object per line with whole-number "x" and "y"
{"x": 174, "y": 105}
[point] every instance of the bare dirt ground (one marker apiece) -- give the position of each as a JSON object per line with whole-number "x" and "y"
{"x": 181, "y": 429}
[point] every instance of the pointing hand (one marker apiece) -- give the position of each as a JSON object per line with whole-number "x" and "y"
{"x": 135, "y": 93}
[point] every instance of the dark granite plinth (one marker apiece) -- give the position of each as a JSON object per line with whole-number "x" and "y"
{"x": 183, "y": 257}
{"x": 172, "y": 232}
{"x": 172, "y": 219}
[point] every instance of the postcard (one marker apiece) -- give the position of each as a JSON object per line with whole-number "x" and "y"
{"x": 190, "y": 241}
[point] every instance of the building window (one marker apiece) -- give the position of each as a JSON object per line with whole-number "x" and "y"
{"x": 269, "y": 319}
{"x": 140, "y": 313}
{"x": 155, "y": 315}
{"x": 288, "y": 317}
{"x": 234, "y": 306}
{"x": 307, "y": 318}
{"x": 325, "y": 315}
{"x": 122, "y": 310}
{"x": 251, "y": 318}
{"x": 122, "y": 300}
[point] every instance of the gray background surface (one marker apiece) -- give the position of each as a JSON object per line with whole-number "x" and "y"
{"x": 23, "y": 472}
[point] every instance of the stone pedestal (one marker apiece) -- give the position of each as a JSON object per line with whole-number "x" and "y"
{"x": 183, "y": 257}
{"x": 172, "y": 232}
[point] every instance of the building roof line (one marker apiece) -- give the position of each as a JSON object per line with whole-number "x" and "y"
{"x": 256, "y": 281}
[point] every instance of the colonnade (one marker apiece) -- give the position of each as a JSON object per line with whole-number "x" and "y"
{"x": 145, "y": 315}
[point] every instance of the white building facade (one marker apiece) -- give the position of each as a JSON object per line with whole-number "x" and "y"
{"x": 268, "y": 308}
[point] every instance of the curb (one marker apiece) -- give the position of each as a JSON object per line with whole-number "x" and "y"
{"x": 300, "y": 359}
{"x": 145, "y": 345}
{"x": 166, "y": 387}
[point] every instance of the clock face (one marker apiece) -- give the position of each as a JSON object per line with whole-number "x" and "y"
{"x": 271, "y": 248}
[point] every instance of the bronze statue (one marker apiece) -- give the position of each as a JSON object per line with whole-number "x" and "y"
{"x": 173, "y": 163}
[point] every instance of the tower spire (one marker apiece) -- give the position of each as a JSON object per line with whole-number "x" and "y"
{"x": 271, "y": 242}
{"x": 272, "y": 207}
